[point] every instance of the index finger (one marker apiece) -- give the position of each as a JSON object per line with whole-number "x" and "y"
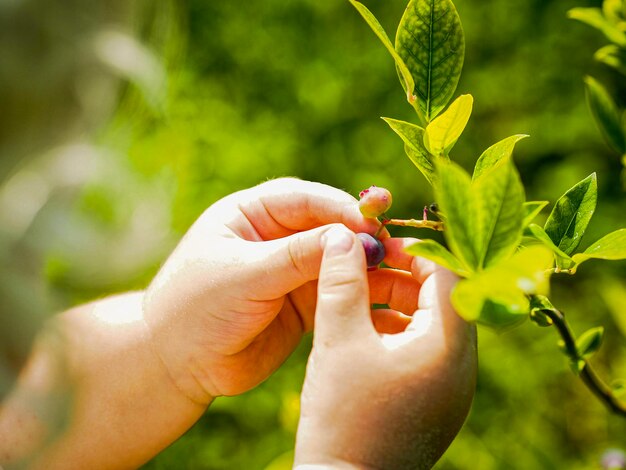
{"x": 284, "y": 206}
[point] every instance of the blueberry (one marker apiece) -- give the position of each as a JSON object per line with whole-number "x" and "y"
{"x": 374, "y": 201}
{"x": 374, "y": 249}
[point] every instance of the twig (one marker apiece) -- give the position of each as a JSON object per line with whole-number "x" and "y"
{"x": 587, "y": 374}
{"x": 431, "y": 224}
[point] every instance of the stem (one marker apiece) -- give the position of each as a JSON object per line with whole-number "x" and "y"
{"x": 587, "y": 374}
{"x": 431, "y": 224}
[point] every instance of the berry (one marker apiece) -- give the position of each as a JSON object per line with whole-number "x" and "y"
{"x": 374, "y": 249}
{"x": 374, "y": 201}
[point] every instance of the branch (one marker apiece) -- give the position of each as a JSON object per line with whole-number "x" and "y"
{"x": 587, "y": 374}
{"x": 431, "y": 224}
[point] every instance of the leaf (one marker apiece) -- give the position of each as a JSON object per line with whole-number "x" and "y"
{"x": 571, "y": 214}
{"x": 589, "y": 342}
{"x": 532, "y": 210}
{"x": 406, "y": 78}
{"x": 453, "y": 193}
{"x": 593, "y": 17}
{"x": 605, "y": 114}
{"x": 610, "y": 247}
{"x": 614, "y": 10}
{"x": 539, "y": 304}
{"x": 433, "y": 251}
{"x": 443, "y": 132}
{"x": 413, "y": 137}
{"x": 500, "y": 198}
{"x": 495, "y": 153}
{"x": 430, "y": 41}
{"x": 613, "y": 56}
{"x": 563, "y": 260}
{"x": 497, "y": 296}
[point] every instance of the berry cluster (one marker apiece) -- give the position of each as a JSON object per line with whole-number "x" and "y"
{"x": 373, "y": 203}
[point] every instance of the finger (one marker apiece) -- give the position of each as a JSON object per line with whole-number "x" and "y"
{"x": 281, "y": 207}
{"x": 389, "y": 321}
{"x": 436, "y": 323}
{"x": 396, "y": 288}
{"x": 396, "y": 257}
{"x": 277, "y": 267}
{"x": 343, "y": 310}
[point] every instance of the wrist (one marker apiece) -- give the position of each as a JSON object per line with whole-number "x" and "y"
{"x": 171, "y": 351}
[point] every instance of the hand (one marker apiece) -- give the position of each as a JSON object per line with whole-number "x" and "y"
{"x": 387, "y": 393}
{"x": 235, "y": 297}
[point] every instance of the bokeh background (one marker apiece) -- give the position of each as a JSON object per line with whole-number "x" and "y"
{"x": 120, "y": 122}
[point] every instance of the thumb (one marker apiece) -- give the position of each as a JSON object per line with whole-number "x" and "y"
{"x": 343, "y": 293}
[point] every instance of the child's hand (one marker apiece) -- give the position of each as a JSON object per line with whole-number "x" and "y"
{"x": 235, "y": 297}
{"x": 391, "y": 400}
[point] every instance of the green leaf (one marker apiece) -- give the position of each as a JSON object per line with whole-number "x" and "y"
{"x": 433, "y": 251}
{"x": 605, "y": 114}
{"x": 593, "y": 17}
{"x": 589, "y": 342}
{"x": 610, "y": 247}
{"x": 494, "y": 154}
{"x": 430, "y": 41}
{"x": 532, "y": 210}
{"x": 613, "y": 56}
{"x": 497, "y": 296}
{"x": 454, "y": 195}
{"x": 406, "y": 78}
{"x": 539, "y": 304}
{"x": 571, "y": 214}
{"x": 443, "y": 132}
{"x": 500, "y": 198}
{"x": 563, "y": 260}
{"x": 614, "y": 10}
{"x": 413, "y": 137}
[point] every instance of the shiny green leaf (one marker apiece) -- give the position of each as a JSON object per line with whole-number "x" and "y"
{"x": 532, "y": 210}
{"x": 500, "y": 198}
{"x": 563, "y": 260}
{"x": 610, "y": 247}
{"x": 494, "y": 154}
{"x": 413, "y": 137}
{"x": 433, "y": 251}
{"x": 454, "y": 195}
{"x": 606, "y": 114}
{"x": 406, "y": 78}
{"x": 571, "y": 214}
{"x": 497, "y": 296}
{"x": 430, "y": 41}
{"x": 443, "y": 131}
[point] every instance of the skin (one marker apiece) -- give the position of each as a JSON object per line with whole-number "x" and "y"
{"x": 415, "y": 374}
{"x": 112, "y": 383}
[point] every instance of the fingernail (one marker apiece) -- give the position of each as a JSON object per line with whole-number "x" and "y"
{"x": 338, "y": 241}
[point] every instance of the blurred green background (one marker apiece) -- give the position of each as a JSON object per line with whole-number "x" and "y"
{"x": 121, "y": 122}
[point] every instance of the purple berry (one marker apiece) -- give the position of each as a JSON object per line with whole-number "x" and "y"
{"x": 374, "y": 201}
{"x": 374, "y": 249}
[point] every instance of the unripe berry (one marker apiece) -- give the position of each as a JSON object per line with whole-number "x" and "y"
{"x": 374, "y": 249}
{"x": 374, "y": 201}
